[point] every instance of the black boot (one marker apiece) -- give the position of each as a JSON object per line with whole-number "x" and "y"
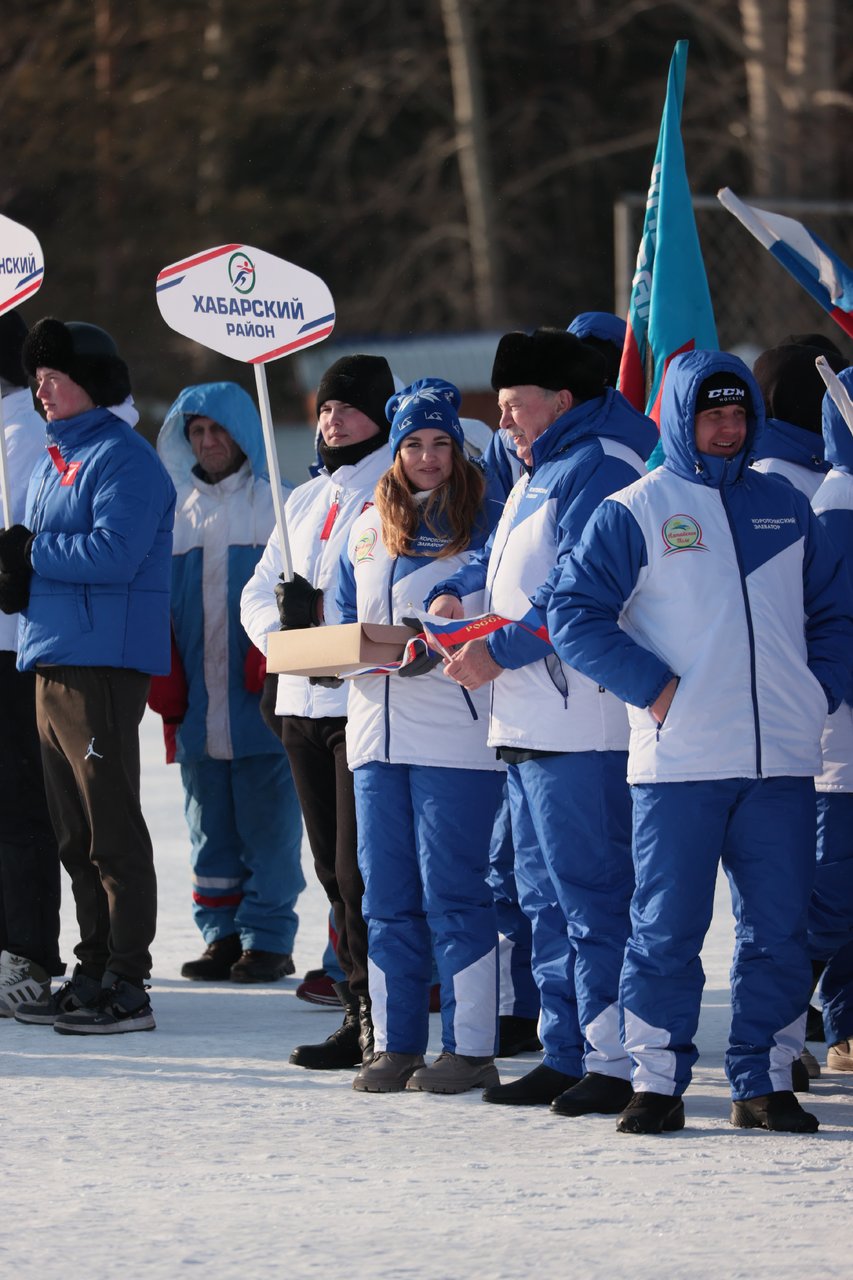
{"x": 538, "y": 1088}
{"x": 342, "y": 1049}
{"x": 365, "y": 1025}
{"x": 517, "y": 1035}
{"x": 215, "y": 964}
{"x": 596, "y": 1094}
{"x": 652, "y": 1113}
{"x": 780, "y": 1112}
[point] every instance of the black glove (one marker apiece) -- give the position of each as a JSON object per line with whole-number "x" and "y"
{"x": 14, "y": 592}
{"x": 15, "y": 550}
{"x": 299, "y": 604}
{"x": 419, "y": 658}
{"x": 326, "y": 682}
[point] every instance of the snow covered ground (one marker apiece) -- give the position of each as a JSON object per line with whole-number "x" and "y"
{"x": 198, "y": 1146}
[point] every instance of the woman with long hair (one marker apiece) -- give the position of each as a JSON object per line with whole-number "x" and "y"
{"x": 426, "y": 786}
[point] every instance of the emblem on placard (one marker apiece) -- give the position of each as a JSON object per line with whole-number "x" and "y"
{"x": 241, "y": 272}
{"x": 682, "y": 533}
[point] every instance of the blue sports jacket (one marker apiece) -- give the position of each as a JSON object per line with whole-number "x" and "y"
{"x": 707, "y": 570}
{"x": 101, "y": 506}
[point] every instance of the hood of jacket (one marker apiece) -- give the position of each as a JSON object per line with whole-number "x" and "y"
{"x": 790, "y": 443}
{"x": 837, "y": 436}
{"x": 684, "y": 377}
{"x": 608, "y": 415}
{"x": 227, "y": 404}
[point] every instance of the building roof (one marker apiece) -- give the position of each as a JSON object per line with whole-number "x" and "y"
{"x": 464, "y": 359}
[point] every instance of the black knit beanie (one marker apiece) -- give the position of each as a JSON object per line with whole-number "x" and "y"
{"x": 721, "y": 389}
{"x": 13, "y": 331}
{"x": 549, "y": 358}
{"x": 86, "y": 353}
{"x": 365, "y": 382}
{"x": 792, "y": 388}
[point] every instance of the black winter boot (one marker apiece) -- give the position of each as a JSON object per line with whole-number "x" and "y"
{"x": 517, "y": 1035}
{"x": 215, "y": 964}
{"x": 365, "y": 1026}
{"x": 342, "y": 1049}
{"x": 780, "y": 1112}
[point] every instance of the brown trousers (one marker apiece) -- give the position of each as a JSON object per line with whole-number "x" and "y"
{"x": 88, "y": 723}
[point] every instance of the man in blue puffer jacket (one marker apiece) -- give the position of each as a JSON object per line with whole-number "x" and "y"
{"x": 709, "y": 599}
{"x": 239, "y": 799}
{"x": 91, "y": 568}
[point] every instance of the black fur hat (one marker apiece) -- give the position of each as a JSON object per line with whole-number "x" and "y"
{"x": 13, "y": 330}
{"x": 549, "y": 358}
{"x": 86, "y": 353}
{"x": 792, "y": 388}
{"x": 365, "y": 382}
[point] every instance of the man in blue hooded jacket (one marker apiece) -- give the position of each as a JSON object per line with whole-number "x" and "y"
{"x": 90, "y": 568}
{"x": 709, "y": 599}
{"x": 241, "y": 808}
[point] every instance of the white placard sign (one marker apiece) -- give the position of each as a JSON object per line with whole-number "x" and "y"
{"x": 21, "y": 264}
{"x": 21, "y": 275}
{"x": 245, "y": 303}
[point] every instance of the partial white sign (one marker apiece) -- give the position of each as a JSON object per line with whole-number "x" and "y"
{"x": 21, "y": 264}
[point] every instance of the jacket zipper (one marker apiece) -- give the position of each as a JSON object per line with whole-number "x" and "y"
{"x": 749, "y": 629}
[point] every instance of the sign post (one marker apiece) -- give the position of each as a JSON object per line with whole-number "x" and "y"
{"x": 21, "y": 275}
{"x": 247, "y": 304}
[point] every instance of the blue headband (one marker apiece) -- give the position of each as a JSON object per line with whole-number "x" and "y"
{"x": 430, "y": 404}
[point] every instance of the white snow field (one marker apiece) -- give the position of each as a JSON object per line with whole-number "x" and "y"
{"x": 198, "y": 1150}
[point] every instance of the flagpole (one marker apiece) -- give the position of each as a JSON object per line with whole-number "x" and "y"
{"x": 837, "y": 390}
{"x": 746, "y": 217}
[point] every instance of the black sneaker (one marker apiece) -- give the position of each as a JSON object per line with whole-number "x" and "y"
{"x": 780, "y": 1112}
{"x": 215, "y": 964}
{"x": 596, "y": 1094}
{"x": 652, "y": 1113}
{"x": 80, "y": 991}
{"x": 262, "y": 966}
{"x": 120, "y": 1007}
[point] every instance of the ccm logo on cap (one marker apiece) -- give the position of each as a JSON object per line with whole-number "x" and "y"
{"x": 730, "y": 393}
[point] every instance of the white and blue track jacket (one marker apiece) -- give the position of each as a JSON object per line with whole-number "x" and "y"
{"x": 833, "y": 505}
{"x": 220, "y": 531}
{"x": 784, "y": 449}
{"x": 318, "y": 515}
{"x": 723, "y": 577}
{"x": 420, "y": 720}
{"x": 538, "y": 702}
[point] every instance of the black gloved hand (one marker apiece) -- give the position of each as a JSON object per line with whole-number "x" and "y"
{"x": 326, "y": 682}
{"x": 299, "y": 604}
{"x": 14, "y": 592}
{"x": 15, "y": 550}
{"x": 419, "y": 658}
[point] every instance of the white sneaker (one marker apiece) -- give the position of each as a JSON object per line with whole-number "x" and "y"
{"x": 22, "y": 981}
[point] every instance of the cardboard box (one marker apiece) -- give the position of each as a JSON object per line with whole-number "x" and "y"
{"x": 331, "y": 651}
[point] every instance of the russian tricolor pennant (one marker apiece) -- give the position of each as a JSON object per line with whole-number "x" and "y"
{"x": 803, "y": 254}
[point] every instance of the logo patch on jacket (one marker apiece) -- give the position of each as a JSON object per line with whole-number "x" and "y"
{"x": 365, "y": 546}
{"x": 682, "y": 533}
